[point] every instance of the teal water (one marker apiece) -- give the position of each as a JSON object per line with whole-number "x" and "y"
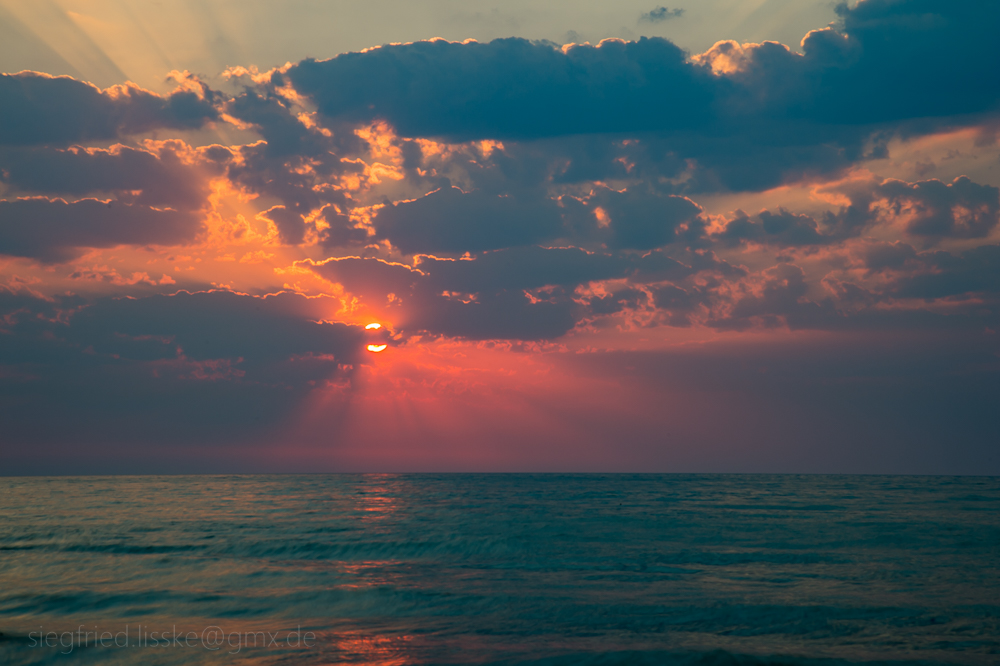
{"x": 501, "y": 569}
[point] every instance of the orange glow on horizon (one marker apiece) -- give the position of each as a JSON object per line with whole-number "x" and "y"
{"x": 468, "y": 403}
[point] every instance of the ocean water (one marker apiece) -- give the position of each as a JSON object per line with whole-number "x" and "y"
{"x": 500, "y": 569}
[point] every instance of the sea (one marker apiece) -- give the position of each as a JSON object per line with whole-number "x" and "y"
{"x": 549, "y": 569}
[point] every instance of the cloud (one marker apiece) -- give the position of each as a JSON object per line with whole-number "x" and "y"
{"x": 259, "y": 333}
{"x": 974, "y": 271}
{"x": 202, "y": 369}
{"x": 342, "y": 230}
{"x": 928, "y": 210}
{"x": 881, "y": 256}
{"x": 779, "y": 300}
{"x": 781, "y": 228}
{"x": 875, "y": 67}
{"x": 738, "y": 117}
{"x": 658, "y": 266}
{"x": 510, "y": 88}
{"x": 960, "y": 209}
{"x": 526, "y": 293}
{"x": 300, "y": 182}
{"x": 289, "y": 221}
{"x": 284, "y": 133}
{"x": 449, "y": 220}
{"x": 524, "y": 268}
{"x": 518, "y": 293}
{"x": 617, "y": 301}
{"x": 909, "y": 48}
{"x": 660, "y": 14}
{"x": 162, "y": 178}
{"x": 254, "y": 332}
{"x": 889, "y": 287}
{"x": 642, "y": 220}
{"x": 53, "y": 230}
{"x": 38, "y": 109}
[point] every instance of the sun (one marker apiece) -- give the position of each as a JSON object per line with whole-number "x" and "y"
{"x": 376, "y": 348}
{"x": 373, "y": 326}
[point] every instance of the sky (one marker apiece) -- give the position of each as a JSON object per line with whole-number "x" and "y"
{"x": 719, "y": 236}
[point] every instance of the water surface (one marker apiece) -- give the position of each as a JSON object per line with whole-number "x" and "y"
{"x": 509, "y": 569}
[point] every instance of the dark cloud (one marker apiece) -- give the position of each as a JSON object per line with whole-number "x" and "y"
{"x": 909, "y": 59}
{"x": 779, "y": 301}
{"x": 162, "y": 179}
{"x": 642, "y": 220}
{"x": 454, "y": 222}
{"x": 290, "y": 222}
{"x": 877, "y": 66}
{"x": 759, "y": 153}
{"x": 503, "y": 314}
{"x": 41, "y": 109}
{"x": 790, "y": 228}
{"x": 678, "y": 291}
{"x": 680, "y": 303}
{"x": 519, "y": 293}
{"x": 511, "y": 88}
{"x": 531, "y": 268}
{"x": 53, "y": 230}
{"x": 252, "y": 332}
{"x": 284, "y": 133}
{"x": 888, "y": 61}
{"x": 449, "y": 220}
{"x": 658, "y": 266}
{"x": 961, "y": 209}
{"x": 661, "y": 14}
{"x": 968, "y": 283}
{"x": 881, "y": 256}
{"x": 617, "y": 301}
{"x": 526, "y": 293}
{"x": 341, "y": 231}
{"x": 768, "y": 115}
{"x": 932, "y": 211}
{"x": 750, "y": 155}
{"x": 297, "y": 181}
{"x": 294, "y": 164}
{"x": 197, "y": 368}
{"x": 781, "y": 228}
{"x": 524, "y": 268}
{"x": 975, "y": 271}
